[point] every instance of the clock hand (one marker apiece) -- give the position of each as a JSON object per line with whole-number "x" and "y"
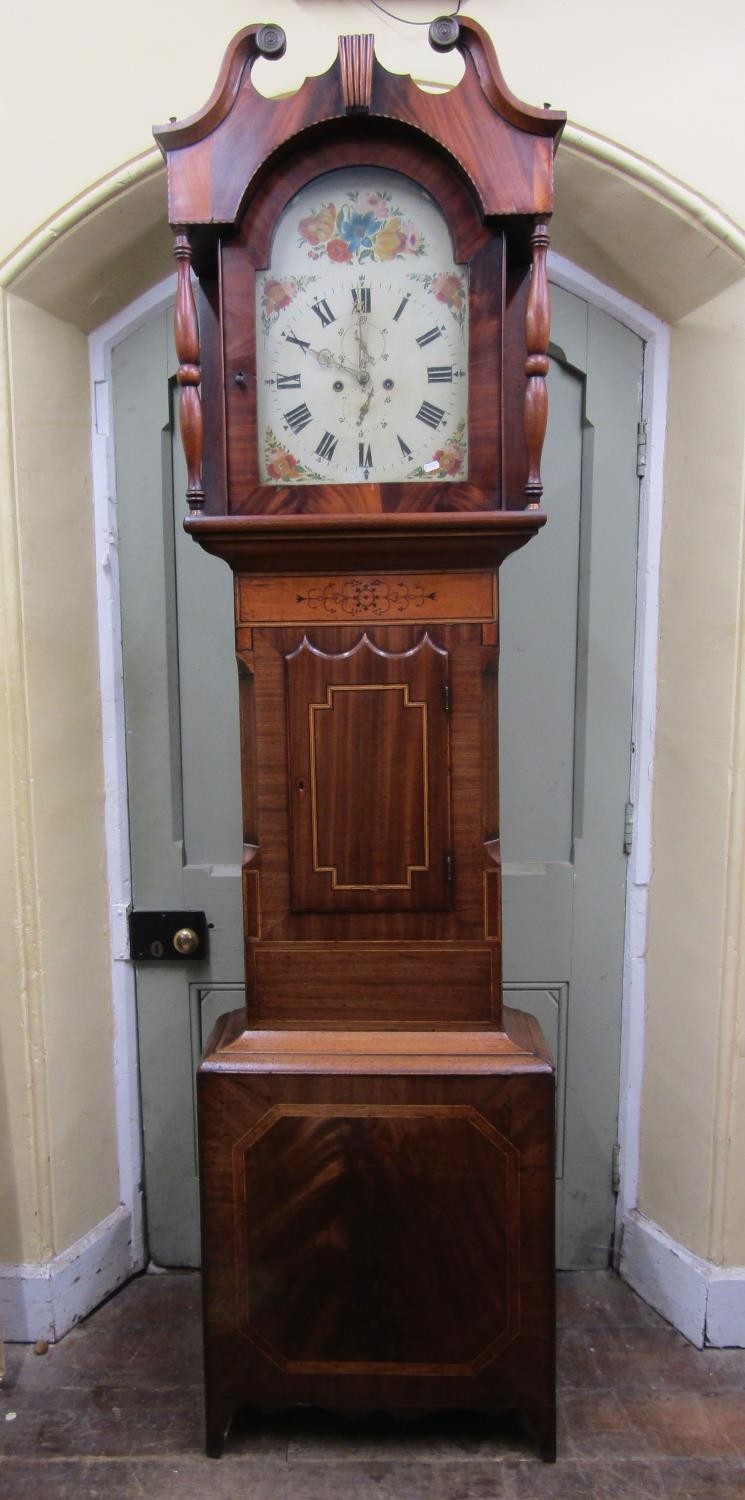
{"x": 326, "y": 358}
{"x": 366, "y": 407}
{"x": 364, "y": 376}
{"x": 361, "y": 344}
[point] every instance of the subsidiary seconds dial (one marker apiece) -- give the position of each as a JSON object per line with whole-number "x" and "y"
{"x": 362, "y": 354}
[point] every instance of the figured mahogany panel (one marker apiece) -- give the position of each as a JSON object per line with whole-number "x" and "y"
{"x": 377, "y": 144}
{"x": 378, "y": 1237}
{"x": 365, "y": 598}
{"x": 371, "y": 821}
{"x": 369, "y": 778}
{"x": 384, "y": 1184}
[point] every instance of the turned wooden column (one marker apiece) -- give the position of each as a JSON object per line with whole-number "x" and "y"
{"x": 189, "y": 375}
{"x": 537, "y": 329}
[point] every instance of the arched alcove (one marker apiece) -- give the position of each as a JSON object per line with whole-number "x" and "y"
{"x": 621, "y": 221}
{"x": 625, "y": 222}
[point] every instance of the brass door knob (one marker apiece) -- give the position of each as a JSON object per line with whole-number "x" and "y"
{"x": 185, "y": 940}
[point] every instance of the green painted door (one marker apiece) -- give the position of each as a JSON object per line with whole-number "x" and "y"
{"x": 565, "y": 703}
{"x": 180, "y": 694}
{"x": 566, "y": 673}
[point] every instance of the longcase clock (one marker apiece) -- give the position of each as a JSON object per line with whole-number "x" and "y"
{"x": 363, "y": 405}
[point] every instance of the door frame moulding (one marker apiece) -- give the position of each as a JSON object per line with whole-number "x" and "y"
{"x": 655, "y": 335}
{"x": 101, "y": 342}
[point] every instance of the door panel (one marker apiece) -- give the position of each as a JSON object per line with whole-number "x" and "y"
{"x": 182, "y": 739}
{"x": 567, "y": 614}
{"x": 369, "y": 778}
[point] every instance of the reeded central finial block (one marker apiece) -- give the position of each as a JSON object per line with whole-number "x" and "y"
{"x": 356, "y": 55}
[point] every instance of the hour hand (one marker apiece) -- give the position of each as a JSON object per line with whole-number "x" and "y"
{"x": 326, "y": 358}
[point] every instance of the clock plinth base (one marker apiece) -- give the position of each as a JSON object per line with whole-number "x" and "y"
{"x": 378, "y": 1222}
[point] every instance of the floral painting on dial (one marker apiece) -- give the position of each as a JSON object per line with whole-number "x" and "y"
{"x": 366, "y": 226}
{"x": 449, "y": 288}
{"x": 277, "y": 293}
{"x": 450, "y": 458}
{"x": 281, "y": 464}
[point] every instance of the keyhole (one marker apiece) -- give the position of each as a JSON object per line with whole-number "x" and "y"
{"x": 301, "y": 786}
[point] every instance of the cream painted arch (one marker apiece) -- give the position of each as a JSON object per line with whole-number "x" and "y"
{"x": 86, "y": 264}
{"x": 647, "y": 194}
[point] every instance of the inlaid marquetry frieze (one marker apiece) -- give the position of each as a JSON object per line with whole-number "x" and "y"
{"x": 366, "y": 598}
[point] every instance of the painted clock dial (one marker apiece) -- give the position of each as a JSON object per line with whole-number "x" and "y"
{"x": 362, "y": 338}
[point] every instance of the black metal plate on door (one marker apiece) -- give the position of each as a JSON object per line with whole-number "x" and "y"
{"x": 168, "y": 936}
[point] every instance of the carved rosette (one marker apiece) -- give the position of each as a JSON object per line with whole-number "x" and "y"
{"x": 186, "y": 332}
{"x": 537, "y": 329}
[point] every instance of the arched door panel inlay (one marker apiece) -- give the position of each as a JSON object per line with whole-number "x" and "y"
{"x": 369, "y": 778}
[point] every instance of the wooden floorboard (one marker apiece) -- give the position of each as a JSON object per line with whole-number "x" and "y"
{"x": 115, "y": 1410}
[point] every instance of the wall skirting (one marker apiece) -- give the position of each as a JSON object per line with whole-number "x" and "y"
{"x": 45, "y": 1301}
{"x": 704, "y": 1301}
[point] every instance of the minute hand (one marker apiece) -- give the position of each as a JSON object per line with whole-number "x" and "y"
{"x": 362, "y": 354}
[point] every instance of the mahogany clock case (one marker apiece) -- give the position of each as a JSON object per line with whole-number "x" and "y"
{"x": 484, "y": 158}
{"x": 378, "y": 1222}
{"x": 376, "y": 1137}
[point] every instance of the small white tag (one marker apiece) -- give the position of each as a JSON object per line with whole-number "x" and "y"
{"x": 101, "y": 403}
{"x": 430, "y": 467}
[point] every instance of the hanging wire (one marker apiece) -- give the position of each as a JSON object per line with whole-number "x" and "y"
{"x": 407, "y": 19}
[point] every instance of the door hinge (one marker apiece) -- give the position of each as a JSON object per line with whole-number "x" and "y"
{"x": 446, "y": 697}
{"x": 628, "y": 827}
{"x": 615, "y": 1168}
{"x": 641, "y": 449}
{"x": 449, "y": 868}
